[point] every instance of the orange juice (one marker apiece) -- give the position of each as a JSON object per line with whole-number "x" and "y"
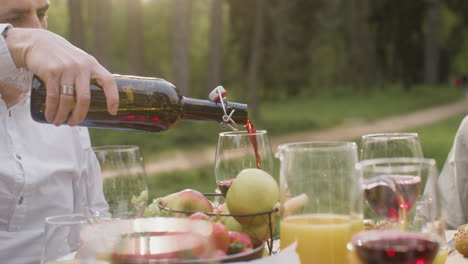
{"x": 322, "y": 238}
{"x": 441, "y": 256}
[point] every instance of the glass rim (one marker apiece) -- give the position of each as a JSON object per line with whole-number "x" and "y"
{"x": 242, "y": 133}
{"x": 395, "y": 165}
{"x": 66, "y": 219}
{"x": 115, "y": 148}
{"x": 316, "y": 145}
{"x": 391, "y": 135}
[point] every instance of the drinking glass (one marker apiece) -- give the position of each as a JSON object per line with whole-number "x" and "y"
{"x": 123, "y": 181}
{"x": 390, "y": 145}
{"x": 403, "y": 203}
{"x": 62, "y": 238}
{"x": 238, "y": 150}
{"x": 320, "y": 197}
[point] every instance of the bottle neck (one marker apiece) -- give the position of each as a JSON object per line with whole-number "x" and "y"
{"x": 196, "y": 109}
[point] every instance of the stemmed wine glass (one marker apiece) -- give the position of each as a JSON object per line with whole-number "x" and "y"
{"x": 404, "y": 204}
{"x": 123, "y": 187}
{"x": 390, "y": 145}
{"x": 238, "y": 150}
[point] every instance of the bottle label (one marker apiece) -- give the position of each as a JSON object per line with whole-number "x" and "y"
{"x": 130, "y": 97}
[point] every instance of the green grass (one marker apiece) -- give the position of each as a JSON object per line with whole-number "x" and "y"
{"x": 436, "y": 140}
{"x": 304, "y": 113}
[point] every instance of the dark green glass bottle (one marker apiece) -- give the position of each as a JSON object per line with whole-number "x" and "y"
{"x": 145, "y": 104}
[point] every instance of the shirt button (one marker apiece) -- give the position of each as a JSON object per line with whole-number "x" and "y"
{"x": 20, "y": 201}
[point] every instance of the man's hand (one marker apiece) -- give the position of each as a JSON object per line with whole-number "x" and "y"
{"x": 59, "y": 63}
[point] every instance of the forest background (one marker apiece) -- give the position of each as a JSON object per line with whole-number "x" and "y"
{"x": 300, "y": 64}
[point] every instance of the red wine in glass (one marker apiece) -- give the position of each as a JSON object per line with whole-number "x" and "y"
{"x": 394, "y": 247}
{"x": 387, "y": 195}
{"x": 224, "y": 185}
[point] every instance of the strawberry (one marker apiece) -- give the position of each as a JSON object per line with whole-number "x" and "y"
{"x": 240, "y": 242}
{"x": 241, "y": 238}
{"x": 199, "y": 216}
{"x": 220, "y": 236}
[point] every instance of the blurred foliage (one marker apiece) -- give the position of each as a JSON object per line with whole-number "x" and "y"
{"x": 324, "y": 62}
{"x": 309, "y": 45}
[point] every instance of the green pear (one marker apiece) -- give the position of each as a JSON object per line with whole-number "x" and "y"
{"x": 253, "y": 191}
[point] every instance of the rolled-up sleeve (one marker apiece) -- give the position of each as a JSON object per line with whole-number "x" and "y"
{"x": 8, "y": 68}
{"x": 9, "y": 73}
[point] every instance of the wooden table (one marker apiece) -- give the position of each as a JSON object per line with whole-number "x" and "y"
{"x": 454, "y": 257}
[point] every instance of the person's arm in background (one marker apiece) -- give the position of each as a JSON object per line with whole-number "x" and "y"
{"x": 453, "y": 180}
{"x": 57, "y": 63}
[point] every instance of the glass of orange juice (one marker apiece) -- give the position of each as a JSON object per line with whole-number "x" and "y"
{"x": 321, "y": 200}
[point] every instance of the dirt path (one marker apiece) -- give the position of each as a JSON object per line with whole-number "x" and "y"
{"x": 204, "y": 156}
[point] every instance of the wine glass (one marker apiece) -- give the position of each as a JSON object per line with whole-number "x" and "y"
{"x": 390, "y": 145}
{"x": 238, "y": 150}
{"x": 321, "y": 202}
{"x": 123, "y": 184}
{"x": 403, "y": 198}
{"x": 62, "y": 238}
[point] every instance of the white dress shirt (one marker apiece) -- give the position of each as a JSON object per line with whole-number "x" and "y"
{"x": 453, "y": 180}
{"x": 40, "y": 168}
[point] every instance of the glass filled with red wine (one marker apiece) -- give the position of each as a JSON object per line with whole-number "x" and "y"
{"x": 390, "y": 145}
{"x": 239, "y": 150}
{"x": 403, "y": 213}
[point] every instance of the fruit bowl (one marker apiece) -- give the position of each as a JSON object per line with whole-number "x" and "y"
{"x": 266, "y": 216}
{"x": 256, "y": 253}
{"x": 156, "y": 240}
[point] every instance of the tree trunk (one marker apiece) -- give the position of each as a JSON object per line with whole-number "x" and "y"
{"x": 255, "y": 59}
{"x": 431, "y": 51}
{"x": 102, "y": 31}
{"x": 76, "y": 23}
{"x": 135, "y": 37}
{"x": 180, "y": 44}
{"x": 216, "y": 40}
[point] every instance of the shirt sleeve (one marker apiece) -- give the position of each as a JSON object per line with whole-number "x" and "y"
{"x": 9, "y": 73}
{"x": 453, "y": 180}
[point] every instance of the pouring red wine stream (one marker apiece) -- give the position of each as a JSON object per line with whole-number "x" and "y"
{"x": 224, "y": 185}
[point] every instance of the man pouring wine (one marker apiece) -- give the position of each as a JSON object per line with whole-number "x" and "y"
{"x": 40, "y": 163}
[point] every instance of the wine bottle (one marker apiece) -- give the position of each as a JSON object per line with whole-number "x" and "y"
{"x": 145, "y": 104}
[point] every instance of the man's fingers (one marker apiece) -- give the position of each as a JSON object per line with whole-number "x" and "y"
{"x": 107, "y": 82}
{"x": 52, "y": 98}
{"x": 82, "y": 100}
{"x": 66, "y": 89}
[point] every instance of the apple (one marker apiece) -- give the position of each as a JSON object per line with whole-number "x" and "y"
{"x": 253, "y": 191}
{"x": 187, "y": 200}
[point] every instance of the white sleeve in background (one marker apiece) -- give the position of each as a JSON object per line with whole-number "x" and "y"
{"x": 453, "y": 180}
{"x": 9, "y": 73}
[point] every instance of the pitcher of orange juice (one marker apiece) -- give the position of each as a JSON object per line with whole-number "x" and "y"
{"x": 321, "y": 199}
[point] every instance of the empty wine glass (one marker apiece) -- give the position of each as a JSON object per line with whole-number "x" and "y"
{"x": 238, "y": 150}
{"x": 390, "y": 145}
{"x": 62, "y": 238}
{"x": 123, "y": 182}
{"x": 404, "y": 204}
